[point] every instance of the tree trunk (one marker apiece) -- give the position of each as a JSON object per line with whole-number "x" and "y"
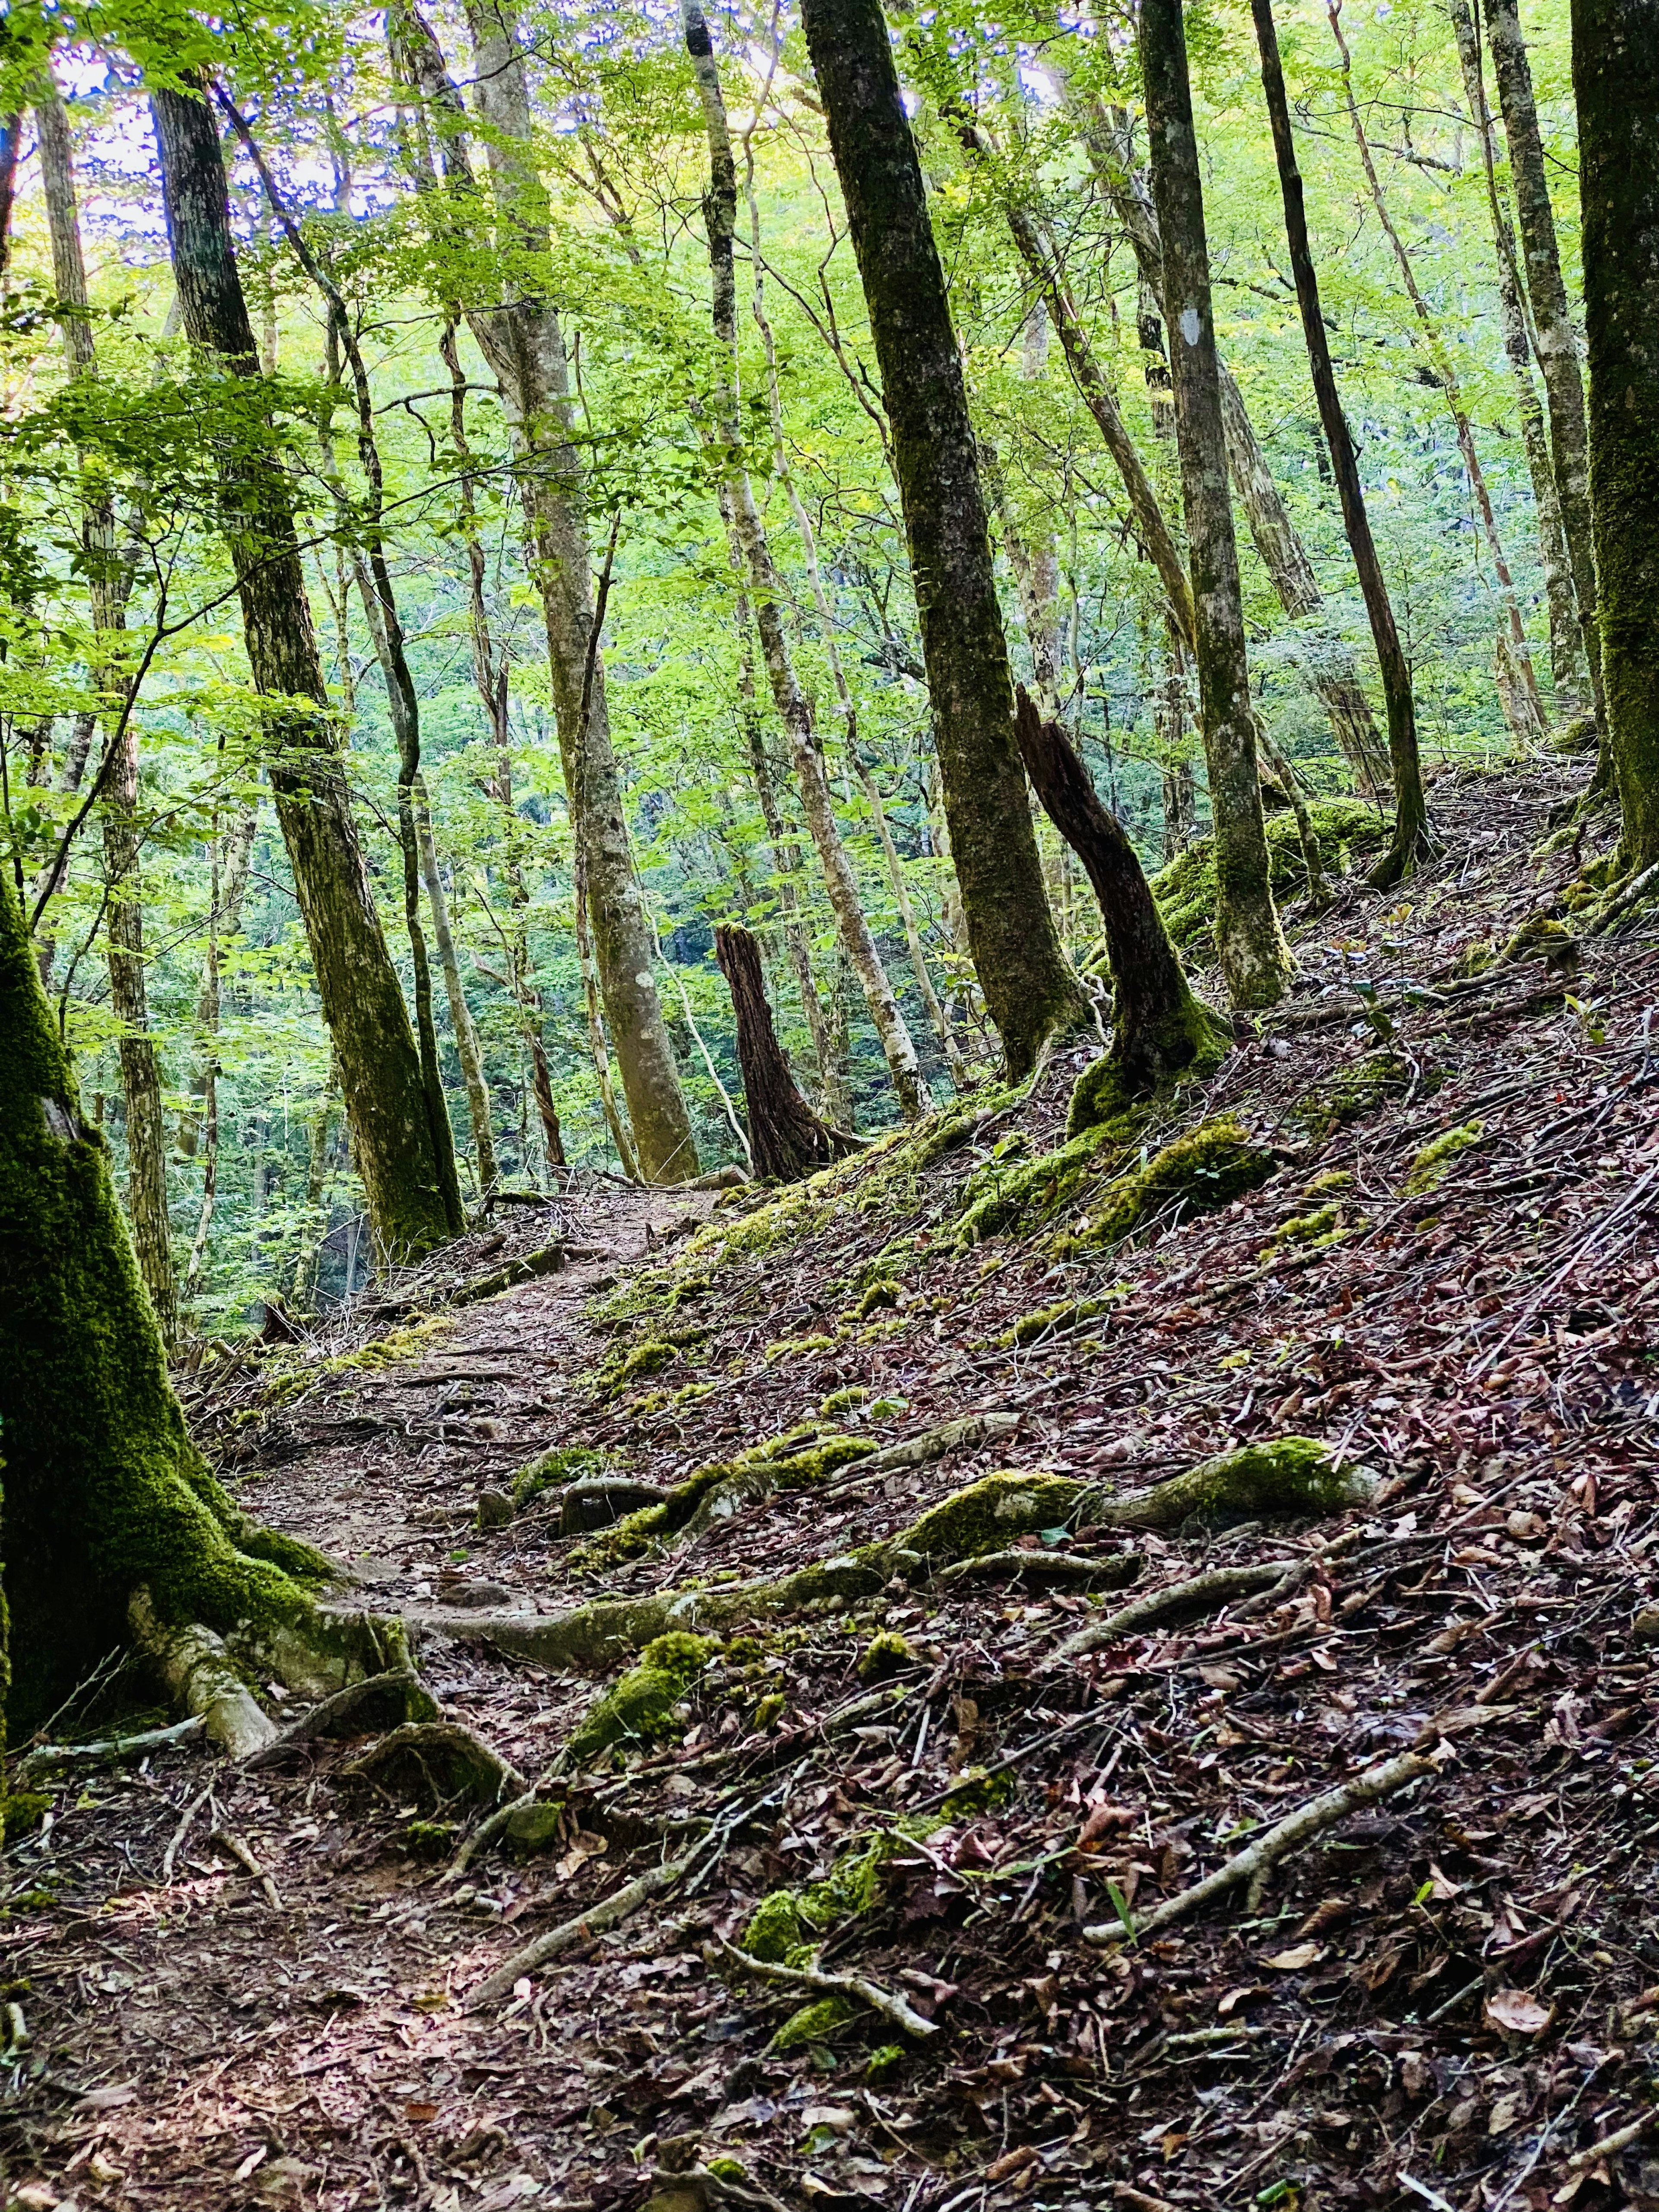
{"x": 363, "y": 1004}
{"x": 141, "y": 1079}
{"x": 1558, "y": 346}
{"x": 1254, "y": 956}
{"x": 1615, "y": 75}
{"x": 105, "y": 1493}
{"x": 1330, "y": 664}
{"x": 1029, "y": 985}
{"x": 786, "y": 1140}
{"x": 1159, "y": 1029}
{"x": 468, "y": 1045}
{"x": 1411, "y": 841}
{"x": 795, "y": 710}
{"x": 524, "y": 345}
{"x": 1446, "y": 377}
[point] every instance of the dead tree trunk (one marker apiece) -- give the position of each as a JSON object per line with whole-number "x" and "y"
{"x": 787, "y": 1139}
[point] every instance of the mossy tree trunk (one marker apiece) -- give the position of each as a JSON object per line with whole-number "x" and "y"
{"x": 1254, "y": 956}
{"x": 1557, "y": 343}
{"x": 1615, "y": 75}
{"x": 1030, "y": 988}
{"x": 787, "y": 1139}
{"x": 105, "y": 1493}
{"x": 1159, "y": 1028}
{"x": 363, "y": 1002}
{"x": 1411, "y": 841}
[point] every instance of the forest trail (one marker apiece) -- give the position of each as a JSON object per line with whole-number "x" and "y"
{"x": 1444, "y": 1272}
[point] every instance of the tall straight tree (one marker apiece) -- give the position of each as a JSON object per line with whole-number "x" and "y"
{"x": 749, "y": 529}
{"x": 362, "y": 1003}
{"x": 107, "y": 581}
{"x": 1254, "y": 955}
{"x": 1615, "y": 76}
{"x": 1029, "y": 985}
{"x": 1411, "y": 838}
{"x": 1558, "y": 345}
{"x": 520, "y": 335}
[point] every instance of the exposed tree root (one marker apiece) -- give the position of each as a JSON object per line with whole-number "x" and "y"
{"x": 45, "y": 1756}
{"x": 598, "y": 1918}
{"x": 1256, "y": 1861}
{"x": 340, "y": 1706}
{"x": 1201, "y": 1594}
{"x": 234, "y": 1846}
{"x": 194, "y": 1664}
{"x": 455, "y": 1762}
{"x": 1287, "y": 1477}
{"x": 1075, "y": 1570}
{"x": 835, "y": 1985}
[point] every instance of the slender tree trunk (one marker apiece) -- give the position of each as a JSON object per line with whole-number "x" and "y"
{"x": 1330, "y": 664}
{"x": 787, "y": 1139}
{"x": 1568, "y": 666}
{"x": 795, "y": 710}
{"x": 468, "y": 1046}
{"x": 1159, "y": 1029}
{"x": 1446, "y": 377}
{"x": 232, "y": 857}
{"x": 1029, "y": 985}
{"x": 1254, "y": 956}
{"x": 1557, "y": 345}
{"x": 141, "y": 1079}
{"x": 380, "y": 1068}
{"x": 524, "y": 344}
{"x": 313, "y": 1229}
{"x": 1411, "y": 841}
{"x": 596, "y": 1043}
{"x": 1615, "y": 75}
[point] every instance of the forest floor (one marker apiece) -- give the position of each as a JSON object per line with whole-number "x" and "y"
{"x": 1450, "y": 1998}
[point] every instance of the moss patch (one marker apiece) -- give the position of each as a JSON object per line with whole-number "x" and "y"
{"x": 998, "y": 1195}
{"x": 814, "y": 2023}
{"x": 793, "y": 1460}
{"x": 640, "y": 1707}
{"x": 1313, "y": 1232}
{"x": 1350, "y": 1095}
{"x": 555, "y": 1469}
{"x": 1429, "y": 1167}
{"x": 793, "y": 1347}
{"x": 1064, "y": 1314}
{"x": 1186, "y": 889}
{"x": 1204, "y": 1170}
{"x": 988, "y": 1512}
{"x": 1286, "y": 1478}
{"x": 883, "y": 1656}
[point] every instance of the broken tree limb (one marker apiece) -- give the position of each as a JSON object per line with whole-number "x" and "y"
{"x": 339, "y": 1707}
{"x": 1277, "y": 1841}
{"x": 234, "y": 1847}
{"x": 1202, "y": 1594}
{"x": 45, "y": 1756}
{"x": 198, "y": 1670}
{"x": 834, "y": 1985}
{"x": 598, "y": 1918}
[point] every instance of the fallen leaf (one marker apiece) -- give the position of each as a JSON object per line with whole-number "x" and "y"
{"x": 106, "y": 2100}
{"x": 1517, "y": 2012}
{"x": 1233, "y": 1998}
{"x": 1011, "y": 2161}
{"x": 1299, "y": 1955}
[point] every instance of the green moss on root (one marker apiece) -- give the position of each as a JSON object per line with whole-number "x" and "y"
{"x": 1204, "y": 1170}
{"x": 814, "y": 2023}
{"x": 986, "y": 1514}
{"x": 1186, "y": 889}
{"x": 1288, "y": 1479}
{"x": 997, "y": 1196}
{"x": 1314, "y": 1232}
{"x": 1193, "y": 1043}
{"x": 1429, "y": 1167}
{"x": 796, "y": 1459}
{"x": 795, "y": 1347}
{"x": 640, "y": 1708}
{"x": 555, "y": 1469}
{"x": 1066, "y": 1313}
{"x": 885, "y": 1654}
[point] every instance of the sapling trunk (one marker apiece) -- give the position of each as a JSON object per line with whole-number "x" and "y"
{"x": 787, "y": 1139}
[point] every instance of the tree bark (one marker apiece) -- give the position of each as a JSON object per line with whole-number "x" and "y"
{"x": 794, "y": 709}
{"x": 141, "y": 1079}
{"x": 1029, "y": 985}
{"x": 1329, "y": 663}
{"x": 787, "y": 1139}
{"x": 468, "y": 1046}
{"x": 524, "y": 343}
{"x": 1446, "y": 377}
{"x": 1558, "y": 346}
{"x": 1158, "y": 1027}
{"x": 1615, "y": 75}
{"x": 1254, "y": 955}
{"x": 363, "y": 1004}
{"x": 1411, "y": 841}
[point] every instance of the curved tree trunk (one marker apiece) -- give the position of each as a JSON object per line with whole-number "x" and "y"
{"x": 1558, "y": 345}
{"x": 1159, "y": 1028}
{"x": 363, "y": 1004}
{"x": 786, "y": 1140}
{"x": 1029, "y": 985}
{"x": 1254, "y": 955}
{"x": 1615, "y": 76}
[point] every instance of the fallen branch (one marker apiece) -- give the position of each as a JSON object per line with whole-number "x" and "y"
{"x": 834, "y": 1985}
{"x": 322, "y": 1717}
{"x": 182, "y": 1830}
{"x": 233, "y": 1847}
{"x": 1621, "y": 2139}
{"x": 607, "y": 1913}
{"x": 1202, "y": 1594}
{"x": 47, "y": 1755}
{"x": 1253, "y": 1863}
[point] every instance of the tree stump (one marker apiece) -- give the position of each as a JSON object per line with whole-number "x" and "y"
{"x": 786, "y": 1137}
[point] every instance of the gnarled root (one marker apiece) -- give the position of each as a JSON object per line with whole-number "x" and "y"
{"x": 198, "y": 1670}
{"x": 454, "y": 1762}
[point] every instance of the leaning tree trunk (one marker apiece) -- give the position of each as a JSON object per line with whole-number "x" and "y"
{"x": 106, "y": 1496}
{"x": 1411, "y": 841}
{"x": 794, "y": 709}
{"x": 1254, "y": 955}
{"x": 1558, "y": 345}
{"x": 1159, "y": 1029}
{"x": 1615, "y": 75}
{"x": 107, "y": 587}
{"x": 1029, "y": 985}
{"x": 786, "y": 1140}
{"x": 524, "y": 343}
{"x": 362, "y": 1003}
